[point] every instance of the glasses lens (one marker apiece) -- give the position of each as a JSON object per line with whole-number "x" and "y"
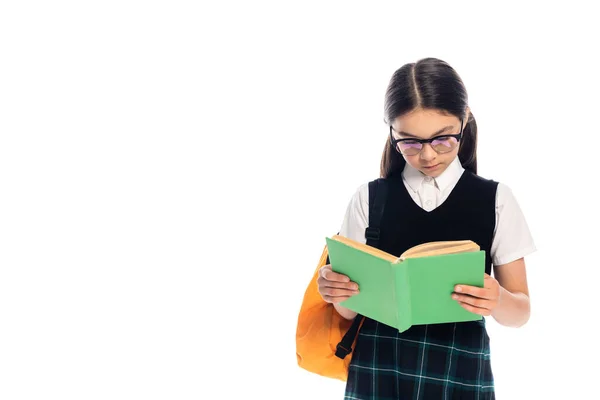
{"x": 444, "y": 144}
{"x": 409, "y": 147}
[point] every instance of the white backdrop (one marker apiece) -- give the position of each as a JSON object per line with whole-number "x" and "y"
{"x": 169, "y": 172}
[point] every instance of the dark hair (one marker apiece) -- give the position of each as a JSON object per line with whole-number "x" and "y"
{"x": 430, "y": 84}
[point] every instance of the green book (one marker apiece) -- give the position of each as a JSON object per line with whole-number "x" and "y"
{"x": 413, "y": 289}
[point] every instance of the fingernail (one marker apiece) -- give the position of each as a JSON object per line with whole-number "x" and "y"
{"x": 458, "y": 289}
{"x": 355, "y": 287}
{"x": 454, "y": 296}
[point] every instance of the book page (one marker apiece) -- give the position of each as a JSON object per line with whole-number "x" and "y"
{"x": 366, "y": 248}
{"x": 440, "y": 248}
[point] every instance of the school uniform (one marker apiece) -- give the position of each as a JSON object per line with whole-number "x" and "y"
{"x": 438, "y": 361}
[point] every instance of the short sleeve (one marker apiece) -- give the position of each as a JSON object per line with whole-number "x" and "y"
{"x": 512, "y": 238}
{"x": 356, "y": 218}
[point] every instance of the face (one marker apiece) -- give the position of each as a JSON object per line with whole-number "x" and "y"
{"x": 426, "y": 124}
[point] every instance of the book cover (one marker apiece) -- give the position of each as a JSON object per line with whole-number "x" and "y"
{"x": 401, "y": 292}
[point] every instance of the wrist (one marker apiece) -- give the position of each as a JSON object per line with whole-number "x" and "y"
{"x": 344, "y": 312}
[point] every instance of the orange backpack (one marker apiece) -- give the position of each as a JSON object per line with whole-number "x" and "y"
{"x": 319, "y": 332}
{"x": 323, "y": 337}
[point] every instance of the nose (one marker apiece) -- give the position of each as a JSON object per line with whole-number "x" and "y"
{"x": 427, "y": 152}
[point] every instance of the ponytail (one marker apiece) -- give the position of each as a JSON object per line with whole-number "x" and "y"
{"x": 467, "y": 150}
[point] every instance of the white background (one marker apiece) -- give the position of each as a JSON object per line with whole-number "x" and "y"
{"x": 169, "y": 171}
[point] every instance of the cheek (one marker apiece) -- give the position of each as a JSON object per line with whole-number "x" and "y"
{"x": 413, "y": 161}
{"x": 453, "y": 154}
{"x": 449, "y": 157}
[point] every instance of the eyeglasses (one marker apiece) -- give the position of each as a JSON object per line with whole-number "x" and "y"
{"x": 440, "y": 144}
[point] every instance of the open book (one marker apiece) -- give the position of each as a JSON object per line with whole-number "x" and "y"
{"x": 413, "y": 289}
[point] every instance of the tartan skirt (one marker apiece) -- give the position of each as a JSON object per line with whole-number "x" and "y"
{"x": 438, "y": 362}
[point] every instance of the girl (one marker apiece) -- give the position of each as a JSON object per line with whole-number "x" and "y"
{"x": 435, "y": 194}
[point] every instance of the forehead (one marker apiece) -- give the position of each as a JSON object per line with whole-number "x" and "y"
{"x": 425, "y": 123}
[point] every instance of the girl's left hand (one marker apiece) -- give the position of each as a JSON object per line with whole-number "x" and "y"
{"x": 478, "y": 300}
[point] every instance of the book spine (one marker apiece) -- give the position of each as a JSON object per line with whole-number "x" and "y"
{"x": 403, "y": 297}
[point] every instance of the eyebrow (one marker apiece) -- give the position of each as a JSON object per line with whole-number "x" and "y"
{"x": 439, "y": 132}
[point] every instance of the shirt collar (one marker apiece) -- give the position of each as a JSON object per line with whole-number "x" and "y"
{"x": 451, "y": 175}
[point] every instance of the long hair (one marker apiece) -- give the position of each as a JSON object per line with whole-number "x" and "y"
{"x": 429, "y": 84}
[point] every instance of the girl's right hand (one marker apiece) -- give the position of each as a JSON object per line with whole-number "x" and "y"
{"x": 333, "y": 287}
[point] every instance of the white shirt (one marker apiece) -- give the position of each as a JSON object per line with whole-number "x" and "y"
{"x": 512, "y": 238}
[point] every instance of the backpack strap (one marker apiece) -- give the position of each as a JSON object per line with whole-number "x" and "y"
{"x": 377, "y": 198}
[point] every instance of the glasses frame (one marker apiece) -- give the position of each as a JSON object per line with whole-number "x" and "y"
{"x": 394, "y": 142}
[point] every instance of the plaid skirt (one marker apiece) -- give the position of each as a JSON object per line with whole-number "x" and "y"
{"x": 438, "y": 362}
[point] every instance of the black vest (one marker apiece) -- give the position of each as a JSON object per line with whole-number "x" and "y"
{"x": 469, "y": 213}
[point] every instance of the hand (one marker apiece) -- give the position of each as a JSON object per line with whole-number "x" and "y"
{"x": 478, "y": 300}
{"x": 333, "y": 287}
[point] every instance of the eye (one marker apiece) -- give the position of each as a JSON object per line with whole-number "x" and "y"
{"x": 443, "y": 144}
{"x": 443, "y": 140}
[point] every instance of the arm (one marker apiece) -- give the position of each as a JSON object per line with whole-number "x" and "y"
{"x": 513, "y": 306}
{"x": 505, "y": 298}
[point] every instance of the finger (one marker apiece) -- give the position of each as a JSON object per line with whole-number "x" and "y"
{"x": 334, "y": 276}
{"x": 475, "y": 291}
{"x": 474, "y": 301}
{"x": 476, "y": 310}
{"x": 335, "y": 300}
{"x": 323, "y": 268}
{"x": 322, "y": 282}
{"x": 336, "y": 292}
